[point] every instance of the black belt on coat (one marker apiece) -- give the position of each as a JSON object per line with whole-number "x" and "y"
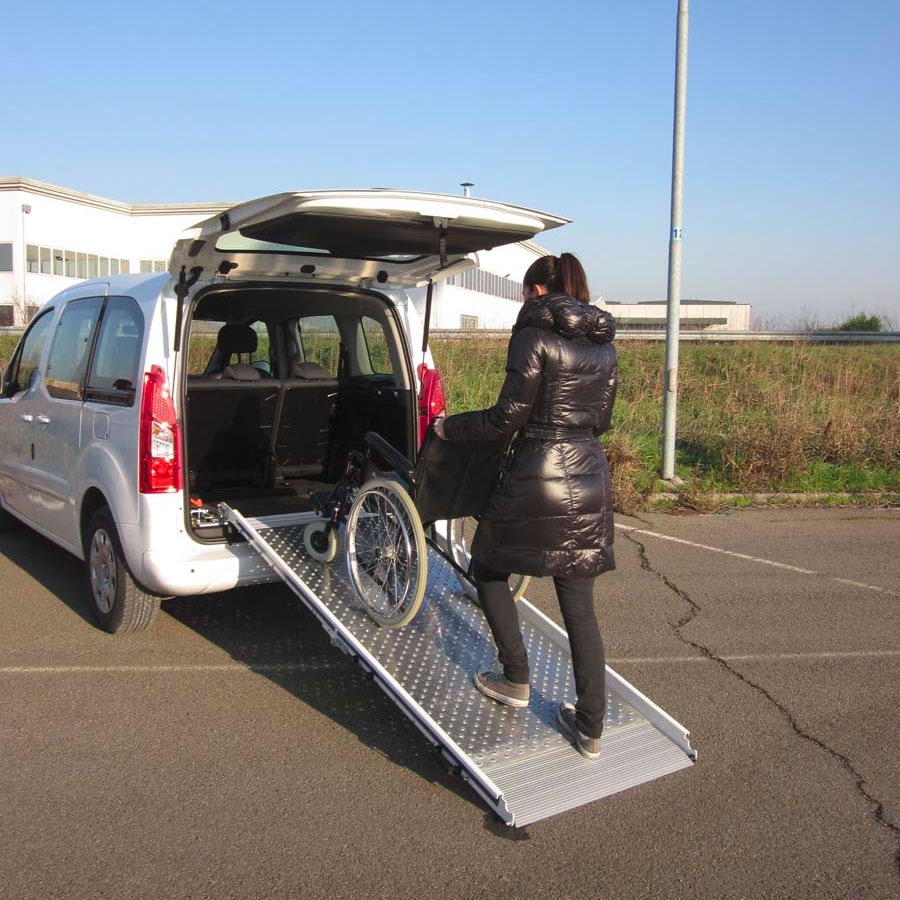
{"x": 547, "y": 433}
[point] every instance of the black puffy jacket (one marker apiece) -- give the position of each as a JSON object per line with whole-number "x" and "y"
{"x": 551, "y": 512}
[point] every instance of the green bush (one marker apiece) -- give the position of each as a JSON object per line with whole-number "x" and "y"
{"x": 860, "y": 322}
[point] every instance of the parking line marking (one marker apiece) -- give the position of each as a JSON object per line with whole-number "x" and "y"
{"x": 758, "y": 559}
{"x": 166, "y": 669}
{"x": 324, "y": 667}
{"x": 759, "y": 657}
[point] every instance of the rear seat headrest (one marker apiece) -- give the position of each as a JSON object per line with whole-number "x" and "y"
{"x": 236, "y": 339}
{"x": 309, "y": 370}
{"x": 241, "y": 372}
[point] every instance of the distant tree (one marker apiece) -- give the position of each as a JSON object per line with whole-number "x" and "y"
{"x": 860, "y": 322}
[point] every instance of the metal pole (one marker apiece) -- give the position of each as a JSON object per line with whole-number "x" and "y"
{"x": 673, "y": 295}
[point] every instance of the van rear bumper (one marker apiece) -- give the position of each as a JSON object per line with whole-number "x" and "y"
{"x": 190, "y": 568}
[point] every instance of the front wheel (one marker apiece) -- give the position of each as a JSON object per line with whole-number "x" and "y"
{"x": 320, "y": 541}
{"x": 460, "y": 534}
{"x": 119, "y": 603}
{"x": 387, "y": 557}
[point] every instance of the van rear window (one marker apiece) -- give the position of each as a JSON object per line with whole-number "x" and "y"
{"x": 236, "y": 242}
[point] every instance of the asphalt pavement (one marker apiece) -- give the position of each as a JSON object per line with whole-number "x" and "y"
{"x": 231, "y": 751}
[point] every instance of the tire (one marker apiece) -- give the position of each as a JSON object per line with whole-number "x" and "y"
{"x": 119, "y": 603}
{"x": 321, "y": 548}
{"x": 386, "y": 553}
{"x": 460, "y": 533}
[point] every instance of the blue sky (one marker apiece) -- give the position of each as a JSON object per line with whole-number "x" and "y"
{"x": 792, "y": 197}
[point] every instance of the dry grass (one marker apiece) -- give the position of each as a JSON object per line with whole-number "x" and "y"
{"x": 752, "y": 416}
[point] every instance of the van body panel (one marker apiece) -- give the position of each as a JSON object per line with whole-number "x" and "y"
{"x": 377, "y": 243}
{"x": 400, "y": 237}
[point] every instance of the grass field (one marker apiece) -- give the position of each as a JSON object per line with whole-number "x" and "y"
{"x": 752, "y": 416}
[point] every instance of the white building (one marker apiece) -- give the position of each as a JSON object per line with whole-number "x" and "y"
{"x": 694, "y": 315}
{"x": 51, "y": 237}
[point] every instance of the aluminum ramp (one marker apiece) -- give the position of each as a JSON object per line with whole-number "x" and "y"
{"x": 516, "y": 759}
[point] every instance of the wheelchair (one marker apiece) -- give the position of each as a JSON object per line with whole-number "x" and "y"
{"x": 392, "y": 511}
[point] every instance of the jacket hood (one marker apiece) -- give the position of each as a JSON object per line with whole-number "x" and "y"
{"x": 570, "y": 318}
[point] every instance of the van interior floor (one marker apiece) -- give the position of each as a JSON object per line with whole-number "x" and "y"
{"x": 283, "y": 497}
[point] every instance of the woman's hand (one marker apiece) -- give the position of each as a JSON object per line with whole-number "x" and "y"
{"x": 438, "y": 427}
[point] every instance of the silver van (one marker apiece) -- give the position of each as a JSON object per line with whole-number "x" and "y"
{"x": 283, "y": 331}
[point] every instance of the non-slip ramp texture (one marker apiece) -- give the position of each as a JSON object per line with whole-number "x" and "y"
{"x": 521, "y": 750}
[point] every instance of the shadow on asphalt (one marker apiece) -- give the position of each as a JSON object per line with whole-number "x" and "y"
{"x": 267, "y": 627}
{"x": 55, "y": 569}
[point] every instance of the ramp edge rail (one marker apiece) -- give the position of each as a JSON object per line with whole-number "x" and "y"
{"x": 657, "y": 717}
{"x": 346, "y": 641}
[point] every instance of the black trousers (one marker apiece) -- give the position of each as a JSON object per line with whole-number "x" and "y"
{"x": 576, "y": 603}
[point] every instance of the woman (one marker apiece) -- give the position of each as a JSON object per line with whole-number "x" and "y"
{"x": 551, "y": 513}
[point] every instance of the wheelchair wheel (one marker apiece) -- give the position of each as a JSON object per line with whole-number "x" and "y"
{"x": 387, "y": 557}
{"x": 321, "y": 545}
{"x": 461, "y": 533}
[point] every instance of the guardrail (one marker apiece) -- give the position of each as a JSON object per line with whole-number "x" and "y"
{"x": 625, "y": 334}
{"x": 784, "y": 337}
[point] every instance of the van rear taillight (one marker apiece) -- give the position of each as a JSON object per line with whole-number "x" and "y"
{"x": 431, "y": 399}
{"x": 160, "y": 453}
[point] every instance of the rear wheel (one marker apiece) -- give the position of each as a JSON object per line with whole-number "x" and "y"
{"x": 387, "y": 557}
{"x": 460, "y": 535}
{"x": 119, "y": 603}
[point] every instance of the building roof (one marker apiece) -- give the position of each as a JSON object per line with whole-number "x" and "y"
{"x": 683, "y": 302}
{"x": 131, "y": 209}
{"x": 17, "y": 183}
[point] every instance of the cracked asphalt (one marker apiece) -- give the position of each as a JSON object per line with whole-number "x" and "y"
{"x": 160, "y": 765}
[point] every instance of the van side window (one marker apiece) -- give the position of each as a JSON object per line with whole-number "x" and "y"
{"x": 320, "y": 342}
{"x": 114, "y": 371}
{"x": 71, "y": 348}
{"x": 201, "y": 345}
{"x": 27, "y": 359}
{"x": 376, "y": 341}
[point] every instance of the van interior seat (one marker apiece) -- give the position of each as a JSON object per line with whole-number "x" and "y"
{"x": 304, "y": 422}
{"x": 241, "y": 372}
{"x": 230, "y": 424}
{"x": 234, "y": 340}
{"x": 308, "y": 370}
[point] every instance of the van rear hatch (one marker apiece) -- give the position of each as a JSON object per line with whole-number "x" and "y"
{"x": 403, "y": 237}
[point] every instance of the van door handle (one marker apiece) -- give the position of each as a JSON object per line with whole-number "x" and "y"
{"x": 27, "y": 417}
{"x": 43, "y": 420}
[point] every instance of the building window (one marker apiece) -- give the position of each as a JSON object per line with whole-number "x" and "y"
{"x": 468, "y": 321}
{"x": 153, "y": 265}
{"x": 6, "y": 264}
{"x": 67, "y": 263}
{"x": 488, "y": 283}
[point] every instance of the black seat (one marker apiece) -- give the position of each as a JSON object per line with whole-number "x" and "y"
{"x": 235, "y": 340}
{"x": 307, "y": 401}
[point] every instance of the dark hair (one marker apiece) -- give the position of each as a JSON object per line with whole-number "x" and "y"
{"x": 561, "y": 274}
